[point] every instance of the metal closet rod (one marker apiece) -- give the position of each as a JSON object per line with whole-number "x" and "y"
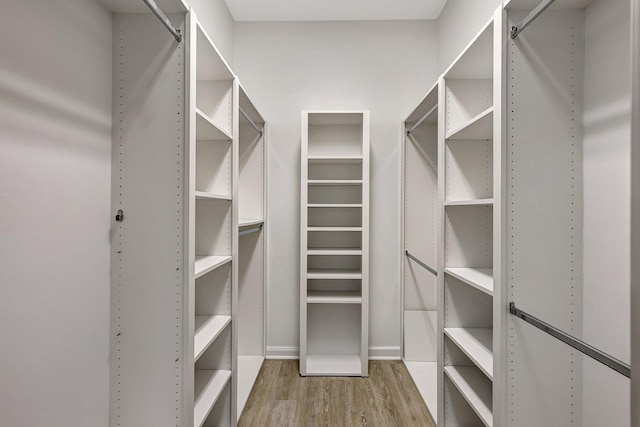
{"x": 517, "y": 29}
{"x": 250, "y": 230}
{"x": 163, "y": 18}
{"x": 425, "y": 117}
{"x": 421, "y": 264}
{"x": 579, "y": 345}
{"x": 246, "y": 116}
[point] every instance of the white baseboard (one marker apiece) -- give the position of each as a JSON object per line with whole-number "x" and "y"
{"x": 276, "y": 352}
{"x": 375, "y": 353}
{"x": 385, "y": 353}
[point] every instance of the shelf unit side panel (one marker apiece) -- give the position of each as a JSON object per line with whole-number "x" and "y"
{"x": 469, "y": 236}
{"x": 215, "y": 99}
{"x": 213, "y": 167}
{"x": 304, "y": 199}
{"x": 420, "y": 217}
{"x": 251, "y": 164}
{"x": 364, "y": 307}
{"x": 469, "y": 170}
{"x": 250, "y": 313}
{"x": 148, "y": 273}
{"x": 544, "y": 216}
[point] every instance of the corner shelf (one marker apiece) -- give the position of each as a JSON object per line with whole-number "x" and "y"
{"x": 479, "y": 278}
{"x": 479, "y": 127}
{"x": 207, "y": 329}
{"x": 205, "y": 264}
{"x": 209, "y": 385}
{"x": 477, "y": 344}
{"x": 475, "y": 389}
{"x": 334, "y": 297}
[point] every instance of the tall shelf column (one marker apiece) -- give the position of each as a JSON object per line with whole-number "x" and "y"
{"x": 334, "y": 248}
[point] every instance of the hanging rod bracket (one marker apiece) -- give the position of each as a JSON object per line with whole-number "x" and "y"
{"x": 163, "y": 19}
{"x": 517, "y": 29}
{"x": 581, "y": 346}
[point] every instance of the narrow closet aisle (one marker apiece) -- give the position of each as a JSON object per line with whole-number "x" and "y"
{"x": 269, "y": 213}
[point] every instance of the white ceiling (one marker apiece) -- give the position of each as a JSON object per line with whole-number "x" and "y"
{"x": 334, "y": 10}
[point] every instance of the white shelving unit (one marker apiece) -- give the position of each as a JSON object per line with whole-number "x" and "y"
{"x": 250, "y": 169}
{"x": 421, "y": 213}
{"x": 183, "y": 269}
{"x": 334, "y": 248}
{"x": 211, "y": 201}
{"x": 567, "y": 129}
{"x": 470, "y": 193}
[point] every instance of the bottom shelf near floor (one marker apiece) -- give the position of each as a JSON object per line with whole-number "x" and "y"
{"x": 208, "y": 387}
{"x": 474, "y": 386}
{"x": 334, "y": 365}
{"x": 425, "y": 377}
{"x": 248, "y": 369}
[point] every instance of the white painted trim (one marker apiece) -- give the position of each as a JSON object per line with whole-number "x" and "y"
{"x": 277, "y": 352}
{"x": 385, "y": 353}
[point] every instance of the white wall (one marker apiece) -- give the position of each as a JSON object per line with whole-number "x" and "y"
{"x": 385, "y": 67}
{"x": 635, "y": 216}
{"x": 607, "y": 179}
{"x": 218, "y": 23}
{"x": 55, "y": 166}
{"x": 459, "y": 21}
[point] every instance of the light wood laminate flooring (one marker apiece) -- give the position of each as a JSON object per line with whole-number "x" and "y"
{"x": 282, "y": 398}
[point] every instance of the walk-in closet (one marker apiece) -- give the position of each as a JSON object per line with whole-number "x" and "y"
{"x": 243, "y": 213}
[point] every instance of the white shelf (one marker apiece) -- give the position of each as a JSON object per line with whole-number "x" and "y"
{"x": 479, "y": 127}
{"x": 249, "y": 222}
{"x": 205, "y": 264}
{"x": 207, "y": 130}
{"x": 323, "y": 160}
{"x": 477, "y": 344}
{"x": 332, "y": 182}
{"x": 475, "y": 389}
{"x": 475, "y": 202}
{"x": 203, "y": 195}
{"x": 334, "y": 365}
{"x": 479, "y": 278}
{"x": 334, "y": 297}
{"x": 207, "y": 329}
{"x": 334, "y": 228}
{"x": 335, "y": 205}
{"x": 334, "y": 274}
{"x": 208, "y": 387}
{"x": 248, "y": 370}
{"x": 425, "y": 377}
{"x": 336, "y": 251}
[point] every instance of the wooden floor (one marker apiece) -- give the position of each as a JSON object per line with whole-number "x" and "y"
{"x": 387, "y": 398}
